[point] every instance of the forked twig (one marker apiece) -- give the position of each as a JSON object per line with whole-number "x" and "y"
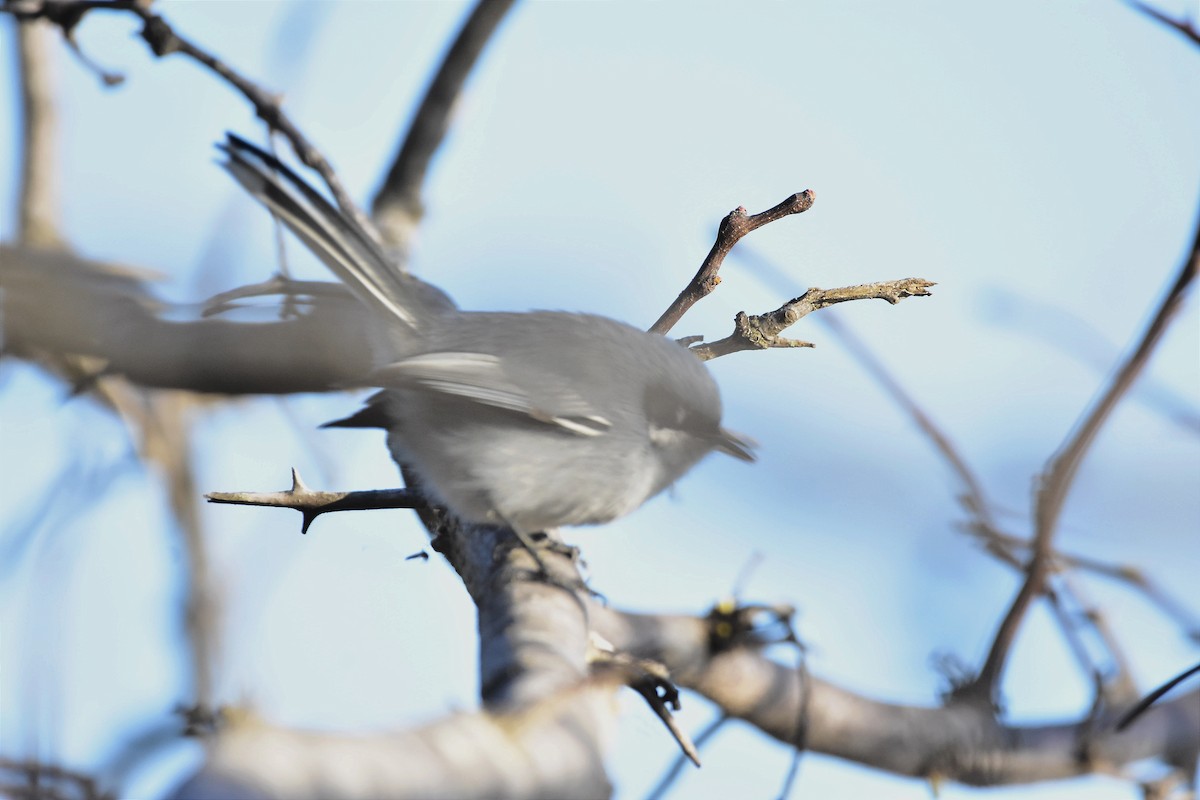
{"x": 737, "y": 223}
{"x": 1059, "y": 476}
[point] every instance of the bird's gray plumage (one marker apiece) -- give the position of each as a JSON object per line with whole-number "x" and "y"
{"x": 536, "y": 419}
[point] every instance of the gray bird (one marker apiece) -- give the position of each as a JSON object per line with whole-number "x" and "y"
{"x": 532, "y": 420}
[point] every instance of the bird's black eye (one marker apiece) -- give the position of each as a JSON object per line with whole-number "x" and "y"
{"x": 666, "y": 409}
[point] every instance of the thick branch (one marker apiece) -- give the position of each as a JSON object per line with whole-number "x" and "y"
{"x": 959, "y": 742}
{"x": 538, "y": 753}
{"x": 546, "y": 713}
{"x": 61, "y": 305}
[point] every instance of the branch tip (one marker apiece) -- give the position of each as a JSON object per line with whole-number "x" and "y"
{"x": 735, "y": 225}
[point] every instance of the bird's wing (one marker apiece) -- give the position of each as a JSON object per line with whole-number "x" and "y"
{"x": 481, "y": 378}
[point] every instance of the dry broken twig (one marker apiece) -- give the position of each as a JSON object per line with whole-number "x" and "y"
{"x": 759, "y": 332}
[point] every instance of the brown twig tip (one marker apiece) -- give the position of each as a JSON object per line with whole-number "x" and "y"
{"x": 739, "y": 222}
{"x": 733, "y": 227}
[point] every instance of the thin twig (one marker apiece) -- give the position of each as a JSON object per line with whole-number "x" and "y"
{"x": 983, "y": 524}
{"x": 397, "y": 207}
{"x": 1185, "y": 27}
{"x": 1129, "y": 716}
{"x": 278, "y": 284}
{"x": 998, "y": 543}
{"x": 1059, "y": 476}
{"x": 760, "y": 332}
{"x": 1116, "y": 683}
{"x": 164, "y": 41}
{"x": 311, "y": 504}
{"x": 737, "y": 223}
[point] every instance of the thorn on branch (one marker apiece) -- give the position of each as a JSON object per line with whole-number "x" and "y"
{"x": 311, "y": 504}
{"x": 648, "y": 678}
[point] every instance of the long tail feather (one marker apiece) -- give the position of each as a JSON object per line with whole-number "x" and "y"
{"x": 339, "y": 242}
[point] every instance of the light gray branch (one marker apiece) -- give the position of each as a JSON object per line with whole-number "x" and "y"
{"x": 55, "y": 303}
{"x": 959, "y": 741}
{"x": 38, "y": 222}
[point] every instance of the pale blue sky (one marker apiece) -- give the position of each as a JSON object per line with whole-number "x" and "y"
{"x": 1038, "y": 160}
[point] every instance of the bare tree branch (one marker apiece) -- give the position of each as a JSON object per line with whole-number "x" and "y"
{"x": 311, "y": 504}
{"x": 762, "y": 331}
{"x": 546, "y": 752}
{"x": 163, "y": 41}
{"x": 1060, "y": 473}
{"x": 157, "y": 421}
{"x": 38, "y": 217}
{"x": 737, "y": 223}
{"x": 1186, "y": 28}
{"x": 962, "y": 742}
{"x": 982, "y": 523}
{"x": 397, "y": 208}
{"x": 1128, "y": 717}
{"x": 56, "y": 303}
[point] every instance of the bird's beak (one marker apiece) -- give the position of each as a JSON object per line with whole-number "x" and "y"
{"x": 736, "y": 445}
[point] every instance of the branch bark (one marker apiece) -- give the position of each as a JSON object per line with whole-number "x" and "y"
{"x": 38, "y": 216}
{"x": 163, "y": 40}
